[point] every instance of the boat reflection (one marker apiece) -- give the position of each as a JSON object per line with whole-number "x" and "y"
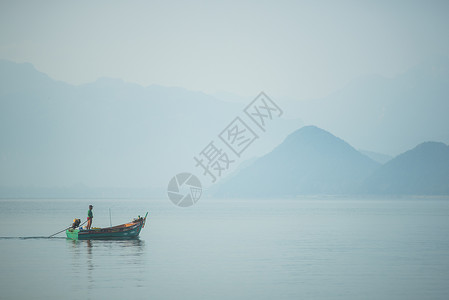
{"x": 121, "y": 243}
{"x": 92, "y": 259}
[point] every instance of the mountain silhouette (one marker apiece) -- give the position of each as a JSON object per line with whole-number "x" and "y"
{"x": 386, "y": 115}
{"x": 424, "y": 170}
{"x": 108, "y": 133}
{"x": 309, "y": 161}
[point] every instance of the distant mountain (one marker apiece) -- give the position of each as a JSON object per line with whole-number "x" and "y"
{"x": 379, "y": 157}
{"x": 423, "y": 170}
{"x": 309, "y": 161}
{"x": 374, "y": 111}
{"x": 108, "y": 133}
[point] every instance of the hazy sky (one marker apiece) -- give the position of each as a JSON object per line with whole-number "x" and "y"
{"x": 299, "y": 49}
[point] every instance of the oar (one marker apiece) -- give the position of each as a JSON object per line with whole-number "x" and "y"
{"x": 65, "y": 230}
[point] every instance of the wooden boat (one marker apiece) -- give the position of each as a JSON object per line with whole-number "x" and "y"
{"x": 129, "y": 230}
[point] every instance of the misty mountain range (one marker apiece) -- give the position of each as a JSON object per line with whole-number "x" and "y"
{"x": 108, "y": 133}
{"x": 386, "y": 115}
{"x": 313, "y": 161}
{"x": 119, "y": 135}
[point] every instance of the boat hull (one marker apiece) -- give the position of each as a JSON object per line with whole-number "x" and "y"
{"x": 125, "y": 231}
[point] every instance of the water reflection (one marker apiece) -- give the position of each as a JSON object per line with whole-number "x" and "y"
{"x": 135, "y": 246}
{"x": 105, "y": 262}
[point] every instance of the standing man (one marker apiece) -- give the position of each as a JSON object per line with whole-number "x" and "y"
{"x": 90, "y": 216}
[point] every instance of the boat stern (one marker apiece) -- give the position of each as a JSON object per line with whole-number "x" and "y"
{"x": 72, "y": 233}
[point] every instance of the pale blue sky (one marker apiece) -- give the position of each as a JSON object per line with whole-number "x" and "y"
{"x": 295, "y": 49}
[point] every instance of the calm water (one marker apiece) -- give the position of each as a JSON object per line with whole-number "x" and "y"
{"x": 311, "y": 248}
